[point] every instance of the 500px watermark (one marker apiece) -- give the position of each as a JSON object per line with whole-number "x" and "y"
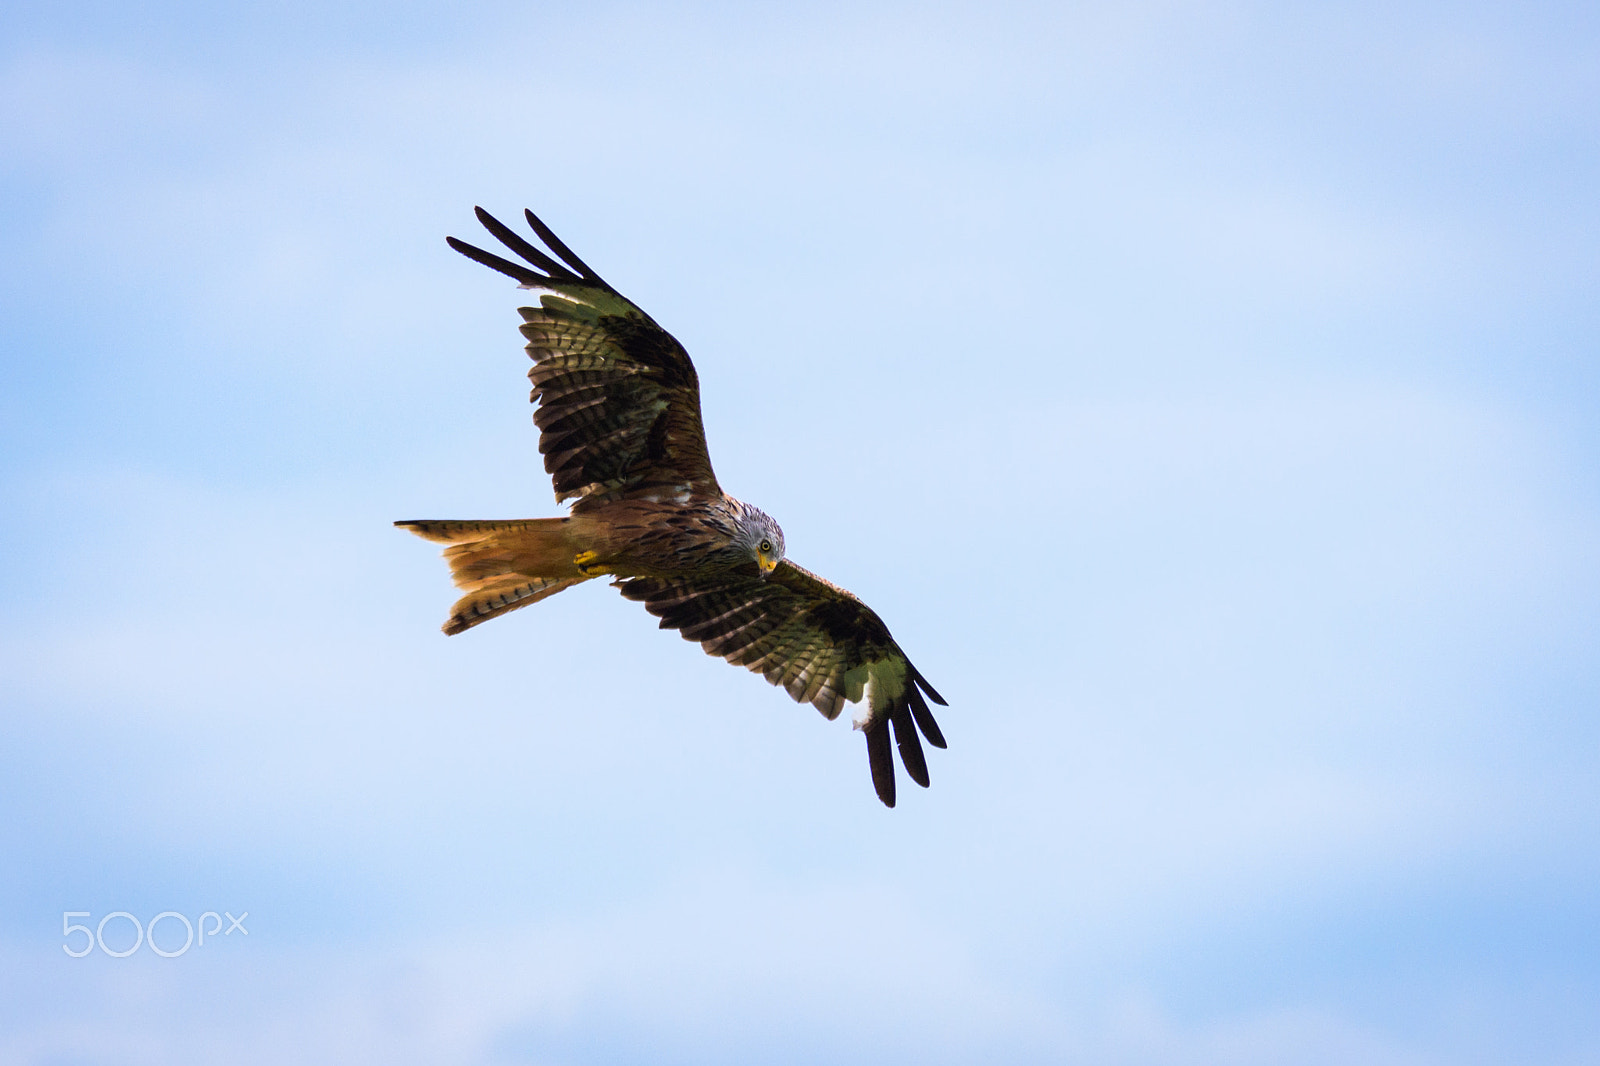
{"x": 143, "y": 934}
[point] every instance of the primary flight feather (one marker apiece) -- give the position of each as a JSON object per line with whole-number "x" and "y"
{"x": 618, "y": 411}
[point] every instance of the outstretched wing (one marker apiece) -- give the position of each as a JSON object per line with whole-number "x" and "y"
{"x": 619, "y": 400}
{"x": 813, "y": 639}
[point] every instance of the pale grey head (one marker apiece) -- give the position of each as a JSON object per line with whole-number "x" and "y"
{"x": 760, "y": 536}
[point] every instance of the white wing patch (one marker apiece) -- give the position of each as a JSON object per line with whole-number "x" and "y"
{"x": 882, "y": 682}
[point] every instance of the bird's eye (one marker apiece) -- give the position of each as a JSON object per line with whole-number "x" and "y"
{"x": 766, "y": 546}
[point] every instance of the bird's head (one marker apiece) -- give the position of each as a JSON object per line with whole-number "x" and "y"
{"x": 761, "y": 537}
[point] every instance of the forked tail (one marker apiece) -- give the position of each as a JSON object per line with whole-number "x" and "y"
{"x": 500, "y": 566}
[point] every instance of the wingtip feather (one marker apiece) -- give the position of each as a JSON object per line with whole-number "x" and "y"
{"x": 519, "y": 273}
{"x": 905, "y": 738}
{"x": 513, "y": 240}
{"x": 881, "y": 759}
{"x": 924, "y": 717}
{"x": 559, "y": 247}
{"x": 922, "y": 683}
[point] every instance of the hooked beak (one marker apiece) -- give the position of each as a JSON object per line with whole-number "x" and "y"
{"x": 767, "y": 563}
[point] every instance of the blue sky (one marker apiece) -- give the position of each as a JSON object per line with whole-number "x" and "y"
{"x": 1205, "y": 394}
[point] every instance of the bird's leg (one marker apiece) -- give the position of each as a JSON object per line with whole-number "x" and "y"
{"x": 588, "y": 562}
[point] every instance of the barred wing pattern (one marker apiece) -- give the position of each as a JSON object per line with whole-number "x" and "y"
{"x": 812, "y": 639}
{"x": 618, "y": 399}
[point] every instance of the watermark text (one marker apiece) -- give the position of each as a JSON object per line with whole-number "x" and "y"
{"x": 79, "y": 940}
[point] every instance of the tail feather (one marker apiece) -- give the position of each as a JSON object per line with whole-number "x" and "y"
{"x": 454, "y": 532}
{"x": 501, "y": 566}
{"x": 502, "y": 598}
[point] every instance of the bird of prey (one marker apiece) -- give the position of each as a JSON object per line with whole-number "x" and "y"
{"x": 620, "y": 430}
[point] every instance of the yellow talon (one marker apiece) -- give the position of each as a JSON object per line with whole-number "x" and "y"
{"x": 584, "y": 561}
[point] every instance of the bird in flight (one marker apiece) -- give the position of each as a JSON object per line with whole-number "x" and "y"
{"x": 618, "y": 411}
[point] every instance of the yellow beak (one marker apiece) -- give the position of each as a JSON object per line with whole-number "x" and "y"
{"x": 768, "y": 563}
